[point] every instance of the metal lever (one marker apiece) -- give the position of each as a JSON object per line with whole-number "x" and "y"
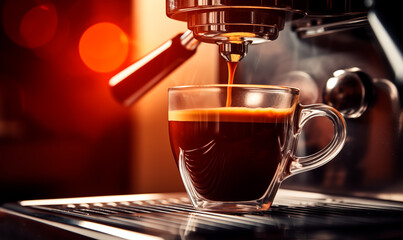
{"x": 350, "y": 91}
{"x": 134, "y": 81}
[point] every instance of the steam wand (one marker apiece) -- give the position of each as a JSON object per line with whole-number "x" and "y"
{"x": 134, "y": 81}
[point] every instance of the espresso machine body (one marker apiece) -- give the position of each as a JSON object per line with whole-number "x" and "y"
{"x": 365, "y": 92}
{"x": 347, "y": 54}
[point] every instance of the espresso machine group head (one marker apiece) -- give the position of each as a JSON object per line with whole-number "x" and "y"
{"x": 236, "y": 24}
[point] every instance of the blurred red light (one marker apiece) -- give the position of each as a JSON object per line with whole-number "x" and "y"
{"x": 38, "y": 26}
{"x": 103, "y": 47}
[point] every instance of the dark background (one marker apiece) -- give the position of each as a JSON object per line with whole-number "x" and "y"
{"x": 61, "y": 132}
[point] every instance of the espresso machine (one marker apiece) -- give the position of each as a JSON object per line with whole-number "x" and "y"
{"x": 347, "y": 54}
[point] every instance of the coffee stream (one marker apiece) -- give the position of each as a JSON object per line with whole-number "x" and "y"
{"x": 231, "y": 72}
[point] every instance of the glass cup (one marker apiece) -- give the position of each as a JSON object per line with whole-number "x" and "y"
{"x": 235, "y": 144}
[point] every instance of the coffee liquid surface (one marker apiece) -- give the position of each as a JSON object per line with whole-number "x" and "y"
{"x": 230, "y": 154}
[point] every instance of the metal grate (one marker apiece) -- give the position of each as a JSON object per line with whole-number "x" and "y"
{"x": 293, "y": 215}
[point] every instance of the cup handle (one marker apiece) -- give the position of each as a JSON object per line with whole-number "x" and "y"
{"x": 306, "y": 163}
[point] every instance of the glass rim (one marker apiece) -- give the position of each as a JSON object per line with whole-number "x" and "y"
{"x": 292, "y": 90}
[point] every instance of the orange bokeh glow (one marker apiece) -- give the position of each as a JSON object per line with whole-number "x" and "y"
{"x": 104, "y": 47}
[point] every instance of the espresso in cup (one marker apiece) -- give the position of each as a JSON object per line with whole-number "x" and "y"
{"x": 231, "y": 154}
{"x": 233, "y": 157}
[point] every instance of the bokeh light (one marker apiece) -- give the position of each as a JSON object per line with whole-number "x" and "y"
{"x": 38, "y": 26}
{"x": 103, "y": 47}
{"x": 28, "y": 23}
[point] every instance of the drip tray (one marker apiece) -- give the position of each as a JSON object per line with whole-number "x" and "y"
{"x": 294, "y": 215}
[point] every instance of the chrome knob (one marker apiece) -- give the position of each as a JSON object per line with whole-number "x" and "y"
{"x": 350, "y": 91}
